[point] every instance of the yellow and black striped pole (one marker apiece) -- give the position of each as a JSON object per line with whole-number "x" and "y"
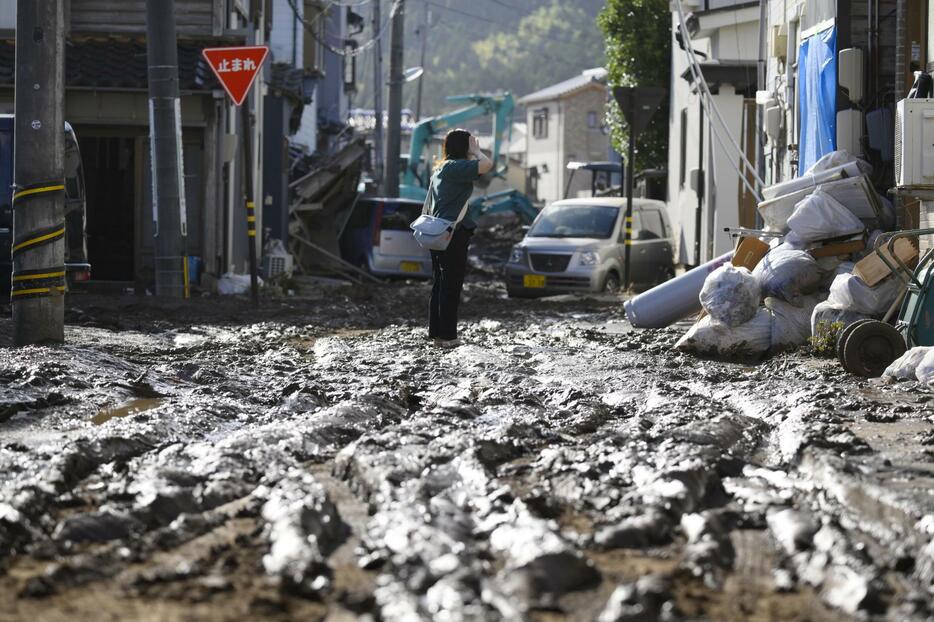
{"x": 250, "y": 207}
{"x": 37, "y": 287}
{"x": 630, "y": 184}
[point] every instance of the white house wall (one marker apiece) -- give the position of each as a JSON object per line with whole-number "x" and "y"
{"x": 737, "y": 40}
{"x": 546, "y": 152}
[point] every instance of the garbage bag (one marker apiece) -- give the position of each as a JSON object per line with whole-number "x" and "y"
{"x": 826, "y": 314}
{"x": 748, "y": 340}
{"x": 819, "y": 216}
{"x": 905, "y": 366}
{"x": 850, "y": 292}
{"x": 232, "y": 284}
{"x": 787, "y": 274}
{"x": 924, "y": 372}
{"x": 791, "y": 324}
{"x": 838, "y": 158}
{"x": 730, "y": 295}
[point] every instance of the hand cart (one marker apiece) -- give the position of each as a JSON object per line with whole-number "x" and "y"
{"x": 867, "y": 347}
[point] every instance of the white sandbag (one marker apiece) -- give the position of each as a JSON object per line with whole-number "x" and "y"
{"x": 749, "y": 340}
{"x": 905, "y": 366}
{"x": 924, "y": 372}
{"x": 835, "y": 159}
{"x": 826, "y": 315}
{"x": 850, "y": 292}
{"x": 787, "y": 274}
{"x": 233, "y": 284}
{"x": 730, "y": 295}
{"x": 819, "y": 216}
{"x": 791, "y": 324}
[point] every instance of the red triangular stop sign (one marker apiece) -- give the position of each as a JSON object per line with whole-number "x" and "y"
{"x": 236, "y": 68}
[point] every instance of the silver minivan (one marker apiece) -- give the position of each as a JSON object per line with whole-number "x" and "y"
{"x": 578, "y": 245}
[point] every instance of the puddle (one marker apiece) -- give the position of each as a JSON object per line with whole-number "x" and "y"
{"x": 124, "y": 410}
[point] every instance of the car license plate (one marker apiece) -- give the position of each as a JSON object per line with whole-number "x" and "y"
{"x": 410, "y": 266}
{"x": 533, "y": 280}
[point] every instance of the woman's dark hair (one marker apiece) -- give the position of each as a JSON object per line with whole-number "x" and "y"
{"x": 456, "y": 145}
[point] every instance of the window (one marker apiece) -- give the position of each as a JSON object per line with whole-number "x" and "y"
{"x": 575, "y": 221}
{"x": 592, "y": 121}
{"x": 312, "y": 46}
{"x": 684, "y": 146}
{"x": 540, "y": 123}
{"x": 398, "y": 216}
{"x": 652, "y": 226}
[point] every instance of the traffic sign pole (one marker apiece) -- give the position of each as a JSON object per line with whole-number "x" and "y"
{"x": 236, "y": 68}
{"x": 638, "y": 104}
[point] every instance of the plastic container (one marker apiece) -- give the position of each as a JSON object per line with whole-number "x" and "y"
{"x": 673, "y": 300}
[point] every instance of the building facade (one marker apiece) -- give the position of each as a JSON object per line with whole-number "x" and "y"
{"x": 565, "y": 123}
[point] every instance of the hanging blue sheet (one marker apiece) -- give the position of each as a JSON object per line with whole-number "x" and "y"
{"x": 817, "y": 81}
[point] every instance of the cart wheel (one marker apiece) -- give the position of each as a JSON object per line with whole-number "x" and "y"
{"x": 871, "y": 347}
{"x": 843, "y": 336}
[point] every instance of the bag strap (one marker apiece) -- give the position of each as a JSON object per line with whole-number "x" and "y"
{"x": 463, "y": 213}
{"x": 426, "y": 206}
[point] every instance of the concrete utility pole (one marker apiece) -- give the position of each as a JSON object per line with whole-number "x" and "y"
{"x": 394, "y": 131}
{"x": 423, "y": 36}
{"x": 38, "y": 282}
{"x": 378, "y": 84}
{"x": 168, "y": 183}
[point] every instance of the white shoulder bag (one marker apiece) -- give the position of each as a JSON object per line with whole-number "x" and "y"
{"x": 432, "y": 232}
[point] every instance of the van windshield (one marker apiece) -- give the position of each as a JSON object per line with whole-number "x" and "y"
{"x": 575, "y": 221}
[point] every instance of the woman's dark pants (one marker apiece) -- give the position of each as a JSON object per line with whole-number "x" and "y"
{"x": 449, "y": 267}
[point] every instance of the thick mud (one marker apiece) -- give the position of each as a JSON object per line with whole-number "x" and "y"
{"x": 317, "y": 459}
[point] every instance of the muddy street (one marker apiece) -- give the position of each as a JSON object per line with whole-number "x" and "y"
{"x": 318, "y": 459}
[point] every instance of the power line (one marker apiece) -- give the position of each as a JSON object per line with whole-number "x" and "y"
{"x": 310, "y": 27}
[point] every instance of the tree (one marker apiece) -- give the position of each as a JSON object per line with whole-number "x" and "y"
{"x": 638, "y": 50}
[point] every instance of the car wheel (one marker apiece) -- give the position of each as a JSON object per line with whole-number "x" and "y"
{"x": 611, "y": 284}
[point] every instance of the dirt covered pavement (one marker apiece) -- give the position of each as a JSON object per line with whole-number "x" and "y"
{"x": 316, "y": 459}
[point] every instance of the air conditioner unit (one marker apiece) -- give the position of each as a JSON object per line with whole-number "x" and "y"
{"x": 914, "y": 143}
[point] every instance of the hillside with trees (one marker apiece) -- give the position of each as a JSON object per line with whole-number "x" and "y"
{"x": 490, "y": 45}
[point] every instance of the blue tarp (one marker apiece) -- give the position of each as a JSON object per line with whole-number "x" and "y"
{"x": 817, "y": 81}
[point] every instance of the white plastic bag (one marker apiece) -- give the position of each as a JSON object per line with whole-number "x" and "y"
{"x": 749, "y": 340}
{"x": 787, "y": 274}
{"x": 819, "y": 216}
{"x": 905, "y": 366}
{"x": 232, "y": 284}
{"x": 730, "y": 295}
{"x": 850, "y": 292}
{"x": 826, "y": 314}
{"x": 835, "y": 159}
{"x": 791, "y": 325}
{"x": 924, "y": 372}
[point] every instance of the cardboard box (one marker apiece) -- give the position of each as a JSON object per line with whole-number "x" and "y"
{"x": 837, "y": 249}
{"x": 749, "y": 252}
{"x": 871, "y": 269}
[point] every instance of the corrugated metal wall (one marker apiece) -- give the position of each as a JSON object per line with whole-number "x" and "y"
{"x": 194, "y": 17}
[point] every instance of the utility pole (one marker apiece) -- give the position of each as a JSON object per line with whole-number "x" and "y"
{"x": 423, "y": 36}
{"x": 378, "y": 84}
{"x": 38, "y": 281}
{"x": 168, "y": 184}
{"x": 394, "y": 131}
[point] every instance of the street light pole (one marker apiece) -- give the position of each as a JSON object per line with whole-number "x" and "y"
{"x": 378, "y": 84}
{"x": 394, "y": 129}
{"x": 38, "y": 279}
{"x": 168, "y": 185}
{"x": 423, "y": 35}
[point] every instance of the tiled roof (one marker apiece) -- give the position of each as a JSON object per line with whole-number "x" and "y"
{"x": 592, "y": 76}
{"x": 118, "y": 63}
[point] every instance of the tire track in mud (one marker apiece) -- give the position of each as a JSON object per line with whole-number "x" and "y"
{"x": 543, "y": 470}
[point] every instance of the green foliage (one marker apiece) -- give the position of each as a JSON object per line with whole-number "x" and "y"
{"x": 521, "y": 49}
{"x": 824, "y": 341}
{"x": 638, "y": 51}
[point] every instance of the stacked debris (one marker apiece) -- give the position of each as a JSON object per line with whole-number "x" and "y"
{"x": 818, "y": 273}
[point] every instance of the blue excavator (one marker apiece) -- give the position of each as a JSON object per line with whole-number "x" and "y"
{"x": 417, "y": 172}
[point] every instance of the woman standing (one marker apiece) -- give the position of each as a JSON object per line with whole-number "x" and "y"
{"x": 461, "y": 164}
